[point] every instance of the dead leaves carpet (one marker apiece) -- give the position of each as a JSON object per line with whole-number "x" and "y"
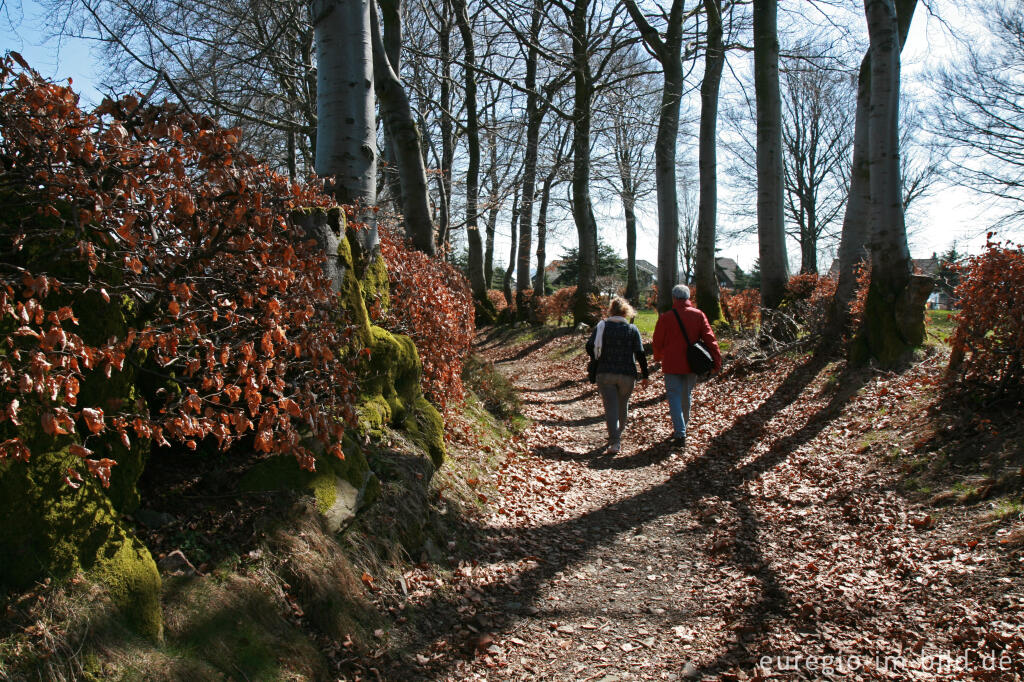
{"x": 773, "y": 547}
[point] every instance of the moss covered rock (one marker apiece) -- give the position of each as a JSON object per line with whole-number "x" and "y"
{"x": 340, "y": 487}
{"x": 54, "y": 530}
{"x": 392, "y": 394}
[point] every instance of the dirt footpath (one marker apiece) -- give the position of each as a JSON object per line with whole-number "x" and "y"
{"x": 774, "y": 546}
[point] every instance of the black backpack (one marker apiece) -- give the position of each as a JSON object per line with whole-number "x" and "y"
{"x": 697, "y": 354}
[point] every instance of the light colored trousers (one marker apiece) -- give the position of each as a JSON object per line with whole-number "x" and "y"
{"x": 679, "y": 387}
{"x": 615, "y": 391}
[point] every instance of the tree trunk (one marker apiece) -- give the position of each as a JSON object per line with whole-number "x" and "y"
{"x": 770, "y": 208}
{"x": 809, "y": 250}
{"x": 391, "y": 23}
{"x": 506, "y": 282}
{"x": 852, "y": 243}
{"x": 669, "y": 54}
{"x": 406, "y": 143}
{"x": 476, "y": 256}
{"x": 539, "y": 283}
{"x": 346, "y": 124}
{"x": 494, "y": 207}
{"x": 632, "y": 283}
{"x": 534, "y": 119}
{"x": 853, "y": 246}
{"x": 447, "y": 136}
{"x": 894, "y": 312}
{"x": 583, "y": 212}
{"x": 705, "y": 279}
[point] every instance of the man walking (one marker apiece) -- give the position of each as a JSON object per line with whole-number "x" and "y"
{"x": 670, "y": 343}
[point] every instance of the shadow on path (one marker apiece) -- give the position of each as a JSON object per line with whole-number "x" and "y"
{"x": 714, "y": 473}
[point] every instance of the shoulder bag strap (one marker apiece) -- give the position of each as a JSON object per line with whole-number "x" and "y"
{"x": 682, "y": 328}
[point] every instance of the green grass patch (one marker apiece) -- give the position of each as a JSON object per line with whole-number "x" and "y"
{"x": 940, "y": 324}
{"x": 645, "y": 321}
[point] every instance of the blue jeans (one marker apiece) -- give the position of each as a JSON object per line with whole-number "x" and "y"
{"x": 679, "y": 387}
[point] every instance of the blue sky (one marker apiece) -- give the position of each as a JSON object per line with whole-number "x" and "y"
{"x": 21, "y": 30}
{"x": 951, "y": 214}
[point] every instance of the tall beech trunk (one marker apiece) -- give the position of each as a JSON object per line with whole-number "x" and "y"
{"x": 770, "y": 189}
{"x": 476, "y": 255}
{"x": 534, "y": 120}
{"x": 629, "y": 209}
{"x": 346, "y": 123}
{"x": 668, "y": 51}
{"x": 391, "y": 23}
{"x": 447, "y": 134}
{"x": 494, "y": 207}
{"x": 704, "y": 268}
{"x": 583, "y": 211}
{"x": 894, "y": 310}
{"x": 539, "y": 281}
{"x": 506, "y": 282}
{"x": 854, "y": 241}
{"x": 405, "y": 141}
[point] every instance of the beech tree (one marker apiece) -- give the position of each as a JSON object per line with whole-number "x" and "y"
{"x": 981, "y": 110}
{"x": 668, "y": 50}
{"x": 346, "y": 121}
{"x": 894, "y": 309}
{"x": 403, "y": 133}
{"x": 771, "y": 235}
{"x": 817, "y": 136}
{"x": 705, "y": 279}
{"x": 477, "y": 282}
{"x": 632, "y": 136}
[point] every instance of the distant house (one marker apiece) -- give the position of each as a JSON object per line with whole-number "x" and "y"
{"x": 725, "y": 270}
{"x": 939, "y": 298}
{"x": 646, "y": 274}
{"x": 553, "y": 269}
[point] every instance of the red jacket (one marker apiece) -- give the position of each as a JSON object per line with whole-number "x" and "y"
{"x": 669, "y": 344}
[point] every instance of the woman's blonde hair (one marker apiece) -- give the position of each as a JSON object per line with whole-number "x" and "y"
{"x": 621, "y": 307}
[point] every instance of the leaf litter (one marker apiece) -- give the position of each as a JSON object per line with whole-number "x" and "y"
{"x": 776, "y": 545}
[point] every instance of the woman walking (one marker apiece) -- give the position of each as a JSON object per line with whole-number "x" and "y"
{"x": 614, "y": 345}
{"x": 674, "y": 332}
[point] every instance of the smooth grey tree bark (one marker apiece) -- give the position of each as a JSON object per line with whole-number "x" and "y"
{"x": 705, "y": 279}
{"x": 583, "y": 211}
{"x": 770, "y": 188}
{"x": 854, "y": 243}
{"x": 506, "y": 282}
{"x": 894, "y": 310}
{"x": 405, "y": 140}
{"x": 475, "y": 244}
{"x": 346, "y": 122}
{"x": 534, "y": 120}
{"x": 669, "y": 52}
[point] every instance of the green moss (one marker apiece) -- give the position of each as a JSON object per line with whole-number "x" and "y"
{"x": 339, "y": 486}
{"x": 131, "y": 576}
{"x": 391, "y": 394}
{"x": 376, "y": 287}
{"x": 61, "y": 531}
{"x": 426, "y": 428}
